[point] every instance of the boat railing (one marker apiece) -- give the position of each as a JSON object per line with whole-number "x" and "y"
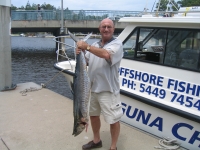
{"x": 186, "y": 13}
{"x": 62, "y": 47}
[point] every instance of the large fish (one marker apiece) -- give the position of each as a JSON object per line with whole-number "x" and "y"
{"x": 81, "y": 91}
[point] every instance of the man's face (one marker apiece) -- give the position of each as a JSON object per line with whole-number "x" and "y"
{"x": 106, "y": 29}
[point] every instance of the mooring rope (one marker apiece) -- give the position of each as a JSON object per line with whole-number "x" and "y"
{"x": 168, "y": 144}
{"x": 31, "y": 89}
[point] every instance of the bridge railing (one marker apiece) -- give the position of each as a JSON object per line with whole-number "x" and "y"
{"x": 71, "y": 14}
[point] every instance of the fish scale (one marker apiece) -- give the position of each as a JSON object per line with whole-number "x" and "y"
{"x": 81, "y": 92}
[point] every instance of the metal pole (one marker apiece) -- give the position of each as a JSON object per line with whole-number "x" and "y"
{"x": 158, "y": 8}
{"x": 153, "y": 6}
{"x": 62, "y": 29}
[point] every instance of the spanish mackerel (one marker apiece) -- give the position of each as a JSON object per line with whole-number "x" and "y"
{"x": 81, "y": 88}
{"x": 81, "y": 91}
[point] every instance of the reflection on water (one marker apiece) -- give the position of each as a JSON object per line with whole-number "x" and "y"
{"x": 33, "y": 60}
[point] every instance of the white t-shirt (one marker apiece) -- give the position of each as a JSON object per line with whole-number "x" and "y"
{"x": 104, "y": 74}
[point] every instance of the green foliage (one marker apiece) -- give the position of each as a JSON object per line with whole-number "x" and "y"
{"x": 47, "y": 6}
{"x": 22, "y": 8}
{"x": 165, "y": 3}
{"x": 28, "y": 6}
{"x": 188, "y": 3}
{"x": 35, "y": 7}
{"x": 13, "y": 7}
{"x": 81, "y": 14}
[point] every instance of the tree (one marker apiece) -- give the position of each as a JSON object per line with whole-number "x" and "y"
{"x": 34, "y": 6}
{"x": 22, "y": 8}
{"x": 28, "y": 6}
{"x": 81, "y": 14}
{"x": 165, "y": 3}
{"x": 13, "y": 7}
{"x": 188, "y": 3}
{"x": 48, "y": 6}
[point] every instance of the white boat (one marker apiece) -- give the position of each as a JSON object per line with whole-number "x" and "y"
{"x": 160, "y": 75}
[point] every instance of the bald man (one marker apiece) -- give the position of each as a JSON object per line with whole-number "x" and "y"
{"x": 103, "y": 58}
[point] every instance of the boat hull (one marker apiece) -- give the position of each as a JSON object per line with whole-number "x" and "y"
{"x": 155, "y": 118}
{"x": 67, "y": 68}
{"x": 159, "y": 122}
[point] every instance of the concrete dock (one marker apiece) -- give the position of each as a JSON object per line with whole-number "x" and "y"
{"x": 43, "y": 120}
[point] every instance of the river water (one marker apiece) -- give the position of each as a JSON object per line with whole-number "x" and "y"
{"x": 33, "y": 59}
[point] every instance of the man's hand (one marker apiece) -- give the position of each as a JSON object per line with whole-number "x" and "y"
{"x": 78, "y": 51}
{"x": 81, "y": 45}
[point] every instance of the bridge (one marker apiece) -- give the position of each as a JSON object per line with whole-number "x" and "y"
{"x": 73, "y": 20}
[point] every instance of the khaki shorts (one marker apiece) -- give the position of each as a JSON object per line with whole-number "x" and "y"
{"x": 108, "y": 104}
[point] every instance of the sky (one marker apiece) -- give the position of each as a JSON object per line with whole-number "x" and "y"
{"x": 125, "y": 5}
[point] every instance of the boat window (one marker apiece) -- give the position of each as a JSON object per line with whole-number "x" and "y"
{"x": 183, "y": 49}
{"x": 151, "y": 44}
{"x": 129, "y": 46}
{"x": 178, "y": 48}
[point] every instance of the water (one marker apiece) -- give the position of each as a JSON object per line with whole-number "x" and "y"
{"x": 33, "y": 59}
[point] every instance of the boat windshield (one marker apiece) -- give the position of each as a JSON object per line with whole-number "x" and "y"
{"x": 172, "y": 47}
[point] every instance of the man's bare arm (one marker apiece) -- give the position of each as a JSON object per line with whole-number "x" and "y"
{"x": 100, "y": 52}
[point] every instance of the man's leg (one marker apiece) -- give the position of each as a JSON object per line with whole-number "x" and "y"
{"x": 96, "y": 142}
{"x": 114, "y": 130}
{"x": 96, "y": 124}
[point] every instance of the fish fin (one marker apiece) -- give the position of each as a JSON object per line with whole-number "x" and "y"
{"x": 87, "y": 37}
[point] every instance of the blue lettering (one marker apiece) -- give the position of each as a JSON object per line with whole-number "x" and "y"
{"x": 160, "y": 81}
{"x": 190, "y": 88}
{"x": 159, "y": 125}
{"x": 176, "y": 84}
{"x": 198, "y": 91}
{"x": 177, "y": 126}
{"x": 131, "y": 74}
{"x": 137, "y": 74}
{"x": 170, "y": 83}
{"x": 123, "y": 109}
{"x": 124, "y": 81}
{"x": 143, "y": 77}
{"x": 128, "y": 112}
{"x": 126, "y": 72}
{"x": 121, "y": 70}
{"x": 195, "y": 137}
{"x": 182, "y": 88}
{"x": 158, "y": 122}
{"x": 131, "y": 84}
{"x": 141, "y": 114}
{"x": 153, "y": 79}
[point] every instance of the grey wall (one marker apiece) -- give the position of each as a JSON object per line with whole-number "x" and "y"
{"x": 5, "y": 48}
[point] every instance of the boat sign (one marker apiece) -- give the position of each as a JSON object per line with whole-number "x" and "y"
{"x": 161, "y": 123}
{"x": 171, "y": 92}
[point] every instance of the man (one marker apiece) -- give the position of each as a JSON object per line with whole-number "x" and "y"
{"x": 104, "y": 59}
{"x": 39, "y": 15}
{"x": 39, "y": 7}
